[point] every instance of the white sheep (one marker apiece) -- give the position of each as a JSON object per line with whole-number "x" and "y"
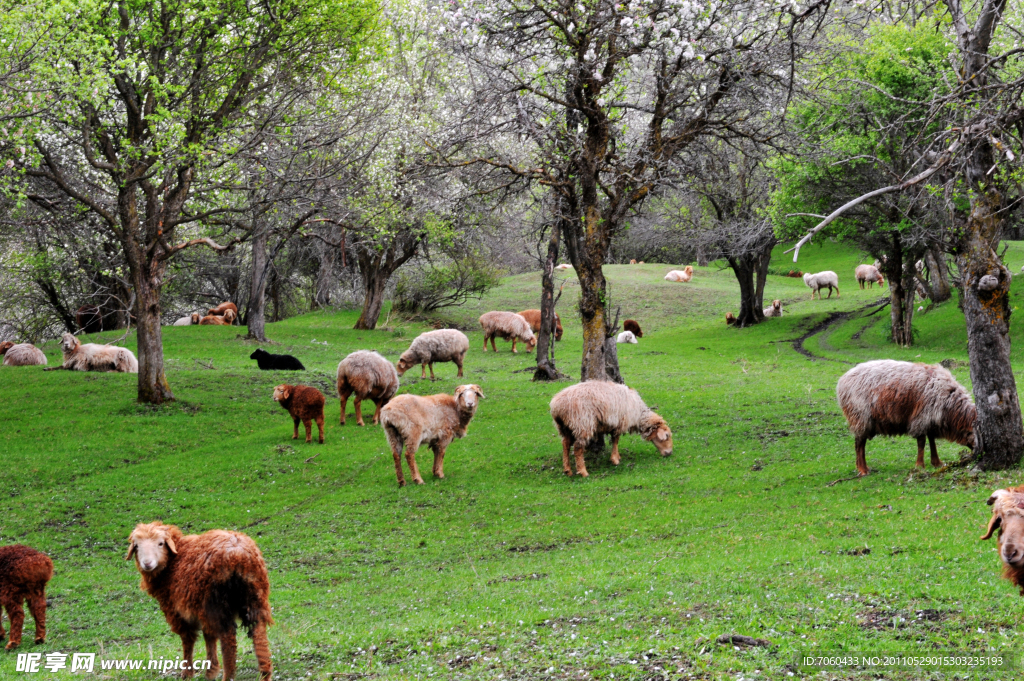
{"x": 827, "y": 279}
{"x": 507, "y": 326}
{"x": 587, "y": 409}
{"x": 21, "y": 355}
{"x": 775, "y": 310}
{"x": 443, "y": 345}
{"x": 626, "y": 337}
{"x": 410, "y": 420}
{"x": 683, "y": 275}
{"x": 95, "y": 357}
{"x": 190, "y": 320}
{"x": 563, "y": 266}
{"x": 370, "y": 377}
{"x": 867, "y": 274}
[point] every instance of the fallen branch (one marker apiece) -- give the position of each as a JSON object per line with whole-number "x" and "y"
{"x": 836, "y": 482}
{"x": 740, "y": 640}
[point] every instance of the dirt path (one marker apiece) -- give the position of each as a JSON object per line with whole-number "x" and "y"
{"x": 825, "y": 326}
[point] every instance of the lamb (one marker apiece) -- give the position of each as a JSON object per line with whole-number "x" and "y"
{"x": 592, "y": 408}
{"x": 821, "y": 280}
{"x": 190, "y": 320}
{"x": 305, "y": 404}
{"x": 214, "y": 320}
{"x": 632, "y": 325}
{"x": 269, "y": 362}
{"x": 206, "y": 582}
{"x": 508, "y": 326}
{"x": 443, "y": 345}
{"x": 632, "y": 262}
{"x": 436, "y": 420}
{"x": 886, "y": 397}
{"x": 730, "y": 318}
{"x": 369, "y": 376}
{"x": 626, "y": 337}
{"x": 222, "y": 309}
{"x": 684, "y": 275}
{"x": 95, "y": 357}
{"x": 24, "y": 573}
{"x": 1008, "y": 517}
{"x": 563, "y": 266}
{"x": 869, "y": 274}
{"x": 532, "y": 318}
{"x": 775, "y": 310}
{"x": 21, "y": 355}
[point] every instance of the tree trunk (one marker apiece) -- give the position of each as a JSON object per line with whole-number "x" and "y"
{"x": 546, "y": 370}
{"x": 938, "y": 275}
{"x": 611, "y": 360}
{"x": 255, "y": 315}
{"x": 593, "y": 289}
{"x": 374, "y": 285}
{"x": 153, "y": 386}
{"x": 901, "y": 277}
{"x": 751, "y": 303}
{"x": 324, "y": 278}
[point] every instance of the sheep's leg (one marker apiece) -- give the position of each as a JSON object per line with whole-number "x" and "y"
{"x": 581, "y": 467}
{"x": 410, "y": 459}
{"x": 229, "y": 651}
{"x": 936, "y": 461}
{"x": 211, "y": 655}
{"x": 359, "y": 411}
{"x": 376, "y": 413}
{"x": 438, "y": 460}
{"x": 920, "y": 452}
{"x": 395, "y": 440}
{"x": 16, "y": 615}
{"x": 514, "y": 339}
{"x": 830, "y": 292}
{"x": 188, "y": 644}
{"x": 424, "y": 374}
{"x": 295, "y": 432}
{"x": 343, "y": 394}
{"x": 320, "y": 427}
{"x": 37, "y": 606}
{"x": 261, "y": 646}
{"x": 459, "y": 361}
{"x": 308, "y": 424}
{"x": 2, "y": 632}
{"x": 495, "y": 347}
{"x": 862, "y": 463}
{"x": 431, "y": 365}
{"x": 566, "y": 446}
{"x": 615, "y": 449}
{"x": 486, "y": 338}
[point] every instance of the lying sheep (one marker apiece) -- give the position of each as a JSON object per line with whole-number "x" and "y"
{"x": 410, "y": 420}
{"x": 95, "y": 357}
{"x": 24, "y": 573}
{"x": 684, "y": 275}
{"x": 563, "y": 266}
{"x": 730, "y": 318}
{"x": 443, "y": 345}
{"x": 632, "y": 262}
{"x": 886, "y": 397}
{"x": 775, "y": 310}
{"x": 205, "y": 583}
{"x": 634, "y": 326}
{"x": 222, "y": 309}
{"x": 507, "y": 326}
{"x": 532, "y": 318}
{"x": 1008, "y": 517}
{"x": 21, "y": 355}
{"x": 816, "y": 282}
{"x": 215, "y": 320}
{"x": 370, "y": 377}
{"x": 190, "y": 320}
{"x": 305, "y": 404}
{"x": 268, "y": 362}
{"x": 626, "y": 337}
{"x": 592, "y": 408}
{"x": 868, "y": 274}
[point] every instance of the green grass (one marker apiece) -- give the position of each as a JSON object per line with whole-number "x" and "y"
{"x": 507, "y": 569}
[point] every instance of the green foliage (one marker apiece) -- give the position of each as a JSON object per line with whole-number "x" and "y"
{"x": 437, "y": 285}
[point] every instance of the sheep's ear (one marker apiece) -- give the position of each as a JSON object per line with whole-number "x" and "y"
{"x": 993, "y": 525}
{"x": 997, "y": 495}
{"x": 479, "y": 392}
{"x": 131, "y": 549}
{"x": 171, "y": 546}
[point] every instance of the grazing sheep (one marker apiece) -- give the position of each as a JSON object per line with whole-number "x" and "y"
{"x": 730, "y": 318}
{"x": 222, "y": 309}
{"x": 592, "y": 408}
{"x": 410, "y": 420}
{"x": 370, "y": 377}
{"x": 626, "y": 337}
{"x": 507, "y": 326}
{"x": 632, "y": 325}
{"x": 684, "y": 275}
{"x": 775, "y": 310}
{"x": 24, "y": 573}
{"x": 95, "y": 357}
{"x": 886, "y": 397}
{"x": 206, "y": 582}
{"x": 563, "y": 266}
{"x": 443, "y": 345}
{"x": 816, "y": 282}
{"x": 190, "y": 320}
{"x": 632, "y": 262}
{"x": 532, "y": 318}
{"x": 305, "y": 404}
{"x": 269, "y": 362}
{"x": 869, "y": 274}
{"x": 89, "y": 319}
{"x": 21, "y": 355}
{"x": 1008, "y": 517}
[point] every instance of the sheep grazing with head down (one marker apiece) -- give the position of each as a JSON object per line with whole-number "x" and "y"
{"x": 592, "y": 408}
{"x": 443, "y": 345}
{"x": 507, "y": 326}
{"x": 411, "y": 420}
{"x": 24, "y": 573}
{"x": 868, "y": 274}
{"x": 95, "y": 357}
{"x": 775, "y": 310}
{"x": 190, "y": 320}
{"x": 305, "y": 404}
{"x": 886, "y": 397}
{"x": 634, "y": 326}
{"x": 532, "y": 318}
{"x": 626, "y": 337}
{"x": 207, "y": 582}
{"x": 1008, "y": 518}
{"x": 21, "y": 355}
{"x": 370, "y": 377}
{"x": 684, "y": 275}
{"x": 827, "y": 279}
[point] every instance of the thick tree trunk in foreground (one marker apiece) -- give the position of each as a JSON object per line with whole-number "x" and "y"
{"x": 546, "y": 370}
{"x": 255, "y": 316}
{"x": 153, "y": 387}
{"x": 746, "y": 267}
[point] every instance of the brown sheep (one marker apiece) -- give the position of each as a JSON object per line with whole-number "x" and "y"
{"x": 592, "y": 408}
{"x": 95, "y": 357}
{"x": 205, "y": 583}
{"x": 532, "y": 318}
{"x": 370, "y": 377}
{"x": 304, "y": 404}
{"x": 21, "y": 355}
{"x": 221, "y": 309}
{"x": 634, "y": 326}
{"x": 886, "y": 397}
{"x": 410, "y": 420}
{"x": 508, "y": 326}
{"x": 443, "y": 345}
{"x": 213, "y": 320}
{"x": 1008, "y": 517}
{"x": 24, "y": 573}
{"x": 730, "y": 319}
{"x": 632, "y": 262}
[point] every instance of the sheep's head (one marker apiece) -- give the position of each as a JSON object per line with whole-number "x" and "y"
{"x": 729, "y": 318}
{"x": 558, "y": 328}
{"x": 807, "y": 278}
{"x": 230, "y": 316}
{"x": 282, "y": 392}
{"x": 688, "y": 269}
{"x": 1008, "y": 518}
{"x": 468, "y": 397}
{"x": 152, "y": 546}
{"x": 531, "y": 340}
{"x": 959, "y": 421}
{"x": 777, "y": 305}
{"x": 258, "y": 353}
{"x": 68, "y": 343}
{"x": 657, "y": 432}
{"x": 632, "y": 262}
{"x": 196, "y": 317}
{"x": 405, "y": 362}
{"x": 5, "y": 346}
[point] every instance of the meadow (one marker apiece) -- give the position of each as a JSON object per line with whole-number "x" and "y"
{"x": 506, "y": 569}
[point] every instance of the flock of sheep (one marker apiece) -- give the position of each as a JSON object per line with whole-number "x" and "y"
{"x": 211, "y": 581}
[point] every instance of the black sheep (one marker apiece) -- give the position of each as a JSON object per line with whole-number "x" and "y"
{"x": 269, "y": 362}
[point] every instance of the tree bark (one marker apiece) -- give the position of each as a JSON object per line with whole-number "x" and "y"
{"x": 938, "y": 275}
{"x": 255, "y": 316}
{"x": 377, "y": 267}
{"x": 153, "y": 387}
{"x": 546, "y": 370}
{"x": 901, "y": 286}
{"x": 324, "y": 278}
{"x": 374, "y": 286}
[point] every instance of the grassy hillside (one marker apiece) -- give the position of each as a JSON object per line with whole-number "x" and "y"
{"x": 507, "y": 569}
